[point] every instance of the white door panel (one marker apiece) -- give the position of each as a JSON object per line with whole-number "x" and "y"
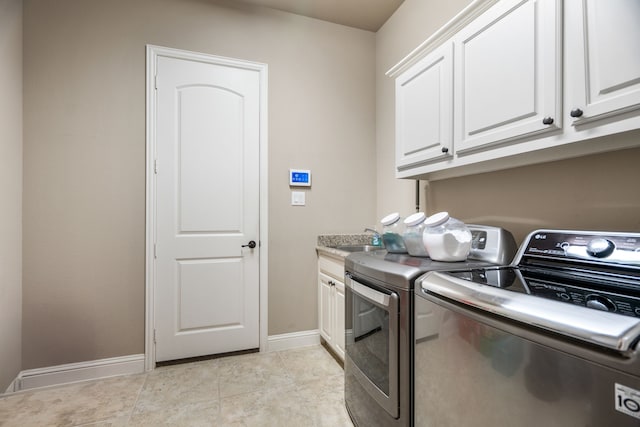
{"x": 202, "y": 164}
{"x": 324, "y": 306}
{"x": 507, "y": 74}
{"x": 424, "y": 112}
{"x": 207, "y": 192}
{"x": 200, "y": 285}
{"x": 604, "y": 64}
{"x": 619, "y": 67}
{"x": 487, "y": 78}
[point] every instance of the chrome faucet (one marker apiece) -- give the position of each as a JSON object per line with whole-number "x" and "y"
{"x": 377, "y": 240}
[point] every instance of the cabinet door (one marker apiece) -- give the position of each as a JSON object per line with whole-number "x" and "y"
{"x": 603, "y": 58}
{"x": 424, "y": 112}
{"x": 339, "y": 319}
{"x": 507, "y": 74}
{"x": 325, "y": 308}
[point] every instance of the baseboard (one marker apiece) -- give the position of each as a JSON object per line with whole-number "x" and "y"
{"x": 293, "y": 340}
{"x": 134, "y": 364}
{"x": 12, "y": 386}
{"x": 74, "y": 372}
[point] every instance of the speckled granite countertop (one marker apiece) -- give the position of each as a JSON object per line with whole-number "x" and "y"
{"x": 333, "y": 240}
{"x": 327, "y": 243}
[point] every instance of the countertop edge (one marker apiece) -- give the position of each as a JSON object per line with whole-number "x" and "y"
{"x": 333, "y": 252}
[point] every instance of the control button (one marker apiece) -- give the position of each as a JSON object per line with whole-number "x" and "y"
{"x": 600, "y": 303}
{"x": 637, "y": 311}
{"x": 565, "y": 297}
{"x": 565, "y": 246}
{"x": 600, "y": 248}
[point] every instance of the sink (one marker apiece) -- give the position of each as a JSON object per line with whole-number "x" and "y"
{"x": 359, "y": 248}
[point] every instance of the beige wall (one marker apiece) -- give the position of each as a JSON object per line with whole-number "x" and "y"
{"x": 10, "y": 190}
{"x": 331, "y": 109}
{"x": 594, "y": 192}
{"x": 84, "y": 207}
{"x": 597, "y": 192}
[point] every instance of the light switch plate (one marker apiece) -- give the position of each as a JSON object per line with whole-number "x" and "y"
{"x": 297, "y": 198}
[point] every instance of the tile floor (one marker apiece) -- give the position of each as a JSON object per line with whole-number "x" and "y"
{"x": 301, "y": 387}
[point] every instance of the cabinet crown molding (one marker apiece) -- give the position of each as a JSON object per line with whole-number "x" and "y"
{"x": 468, "y": 14}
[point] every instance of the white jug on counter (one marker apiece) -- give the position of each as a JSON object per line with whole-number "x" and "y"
{"x": 392, "y": 230}
{"x": 446, "y": 238}
{"x": 412, "y": 236}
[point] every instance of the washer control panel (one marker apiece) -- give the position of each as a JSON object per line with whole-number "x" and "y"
{"x": 592, "y": 246}
{"x": 599, "y": 300}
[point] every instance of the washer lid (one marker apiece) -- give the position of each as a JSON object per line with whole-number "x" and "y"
{"x": 399, "y": 270}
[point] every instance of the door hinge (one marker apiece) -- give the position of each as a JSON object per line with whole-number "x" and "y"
{"x": 154, "y": 336}
{"x": 155, "y": 83}
{"x": 155, "y": 250}
{"x": 155, "y": 166}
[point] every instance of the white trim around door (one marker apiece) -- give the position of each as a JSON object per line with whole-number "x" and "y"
{"x": 153, "y": 53}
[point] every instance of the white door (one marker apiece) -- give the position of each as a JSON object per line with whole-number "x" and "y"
{"x": 207, "y": 208}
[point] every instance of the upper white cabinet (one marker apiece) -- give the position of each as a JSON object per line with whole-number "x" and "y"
{"x": 603, "y": 52}
{"x": 424, "y": 110}
{"x": 508, "y": 74}
{"x": 519, "y": 82}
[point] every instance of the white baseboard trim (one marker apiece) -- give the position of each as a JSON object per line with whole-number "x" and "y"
{"x": 12, "y": 386}
{"x": 293, "y": 340}
{"x": 127, "y": 365}
{"x": 75, "y": 372}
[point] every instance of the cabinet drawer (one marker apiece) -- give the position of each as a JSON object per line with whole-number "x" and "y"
{"x": 331, "y": 267}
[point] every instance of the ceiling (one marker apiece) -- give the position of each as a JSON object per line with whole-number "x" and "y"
{"x": 364, "y": 14}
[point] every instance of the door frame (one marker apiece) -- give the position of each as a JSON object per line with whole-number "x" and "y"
{"x": 152, "y": 54}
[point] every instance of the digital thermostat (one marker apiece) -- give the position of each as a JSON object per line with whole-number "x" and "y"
{"x": 299, "y": 178}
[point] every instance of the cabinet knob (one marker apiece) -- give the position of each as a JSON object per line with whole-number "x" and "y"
{"x": 547, "y": 121}
{"x": 576, "y": 112}
{"x": 445, "y": 150}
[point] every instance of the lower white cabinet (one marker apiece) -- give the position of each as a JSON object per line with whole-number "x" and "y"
{"x": 331, "y": 302}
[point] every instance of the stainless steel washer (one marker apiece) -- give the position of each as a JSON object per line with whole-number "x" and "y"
{"x": 550, "y": 340}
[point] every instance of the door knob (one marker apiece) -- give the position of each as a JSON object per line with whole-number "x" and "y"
{"x": 547, "y": 121}
{"x": 250, "y": 245}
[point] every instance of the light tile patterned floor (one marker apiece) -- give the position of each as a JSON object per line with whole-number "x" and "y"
{"x": 302, "y": 387}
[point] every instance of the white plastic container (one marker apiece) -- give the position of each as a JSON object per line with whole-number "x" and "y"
{"x": 392, "y": 230}
{"x": 412, "y": 236}
{"x": 446, "y": 238}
